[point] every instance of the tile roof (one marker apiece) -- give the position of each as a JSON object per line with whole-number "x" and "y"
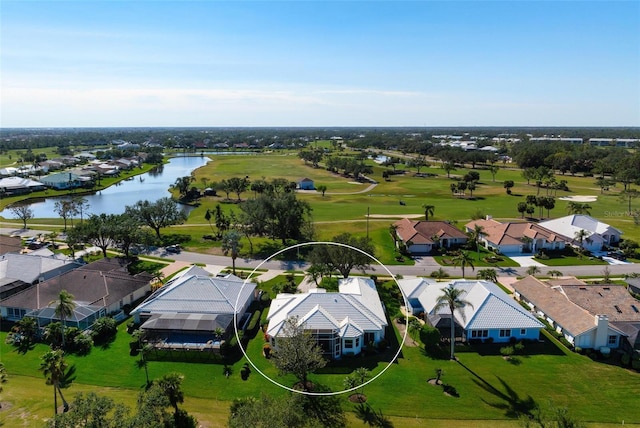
{"x": 555, "y": 304}
{"x": 511, "y": 233}
{"x": 421, "y": 232}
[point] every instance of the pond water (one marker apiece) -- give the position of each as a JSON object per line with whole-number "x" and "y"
{"x": 151, "y": 186}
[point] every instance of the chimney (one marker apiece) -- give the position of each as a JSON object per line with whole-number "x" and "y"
{"x": 602, "y": 331}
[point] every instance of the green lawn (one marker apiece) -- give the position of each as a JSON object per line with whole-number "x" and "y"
{"x": 488, "y": 385}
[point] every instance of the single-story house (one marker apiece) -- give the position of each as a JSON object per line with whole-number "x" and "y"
{"x": 583, "y": 314}
{"x": 21, "y": 271}
{"x": 19, "y": 185}
{"x": 65, "y": 180}
{"x": 422, "y": 237}
{"x": 343, "y": 322}
{"x": 193, "y": 307}
{"x": 99, "y": 288}
{"x": 517, "y": 237}
{"x": 10, "y": 244}
{"x": 306, "y": 184}
{"x": 599, "y": 234}
{"x": 492, "y": 314}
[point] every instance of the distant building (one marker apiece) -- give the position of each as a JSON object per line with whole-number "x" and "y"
{"x": 19, "y": 185}
{"x": 65, "y": 180}
{"x": 306, "y": 184}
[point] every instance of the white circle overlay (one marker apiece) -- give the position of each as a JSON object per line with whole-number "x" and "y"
{"x": 310, "y": 393}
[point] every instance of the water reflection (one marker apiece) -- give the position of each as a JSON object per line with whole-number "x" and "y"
{"x": 151, "y": 186}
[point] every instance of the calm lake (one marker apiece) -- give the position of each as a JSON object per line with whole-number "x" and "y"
{"x": 151, "y": 186}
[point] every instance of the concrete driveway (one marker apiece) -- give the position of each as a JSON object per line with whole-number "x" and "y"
{"x": 523, "y": 260}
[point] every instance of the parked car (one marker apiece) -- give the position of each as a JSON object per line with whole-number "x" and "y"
{"x": 173, "y": 249}
{"x": 618, "y": 255}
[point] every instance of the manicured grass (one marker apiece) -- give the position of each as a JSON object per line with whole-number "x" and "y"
{"x": 571, "y": 261}
{"x": 488, "y": 385}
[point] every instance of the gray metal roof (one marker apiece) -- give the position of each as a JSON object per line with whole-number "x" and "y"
{"x": 199, "y": 294}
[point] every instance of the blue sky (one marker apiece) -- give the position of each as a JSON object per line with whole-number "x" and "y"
{"x": 319, "y": 63}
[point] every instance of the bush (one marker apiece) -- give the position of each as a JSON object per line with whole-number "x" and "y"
{"x": 635, "y": 364}
{"x": 506, "y": 351}
{"x": 519, "y": 348}
{"x": 383, "y": 344}
{"x": 104, "y": 330}
{"x": 625, "y": 359}
{"x": 82, "y": 344}
{"x": 429, "y": 336}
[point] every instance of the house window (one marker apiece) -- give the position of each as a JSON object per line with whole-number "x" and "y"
{"x": 357, "y": 342}
{"x": 479, "y": 333}
{"x": 613, "y": 340}
{"x": 348, "y": 343}
{"x": 505, "y": 332}
{"x": 523, "y": 332}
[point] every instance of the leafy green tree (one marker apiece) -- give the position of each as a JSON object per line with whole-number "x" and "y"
{"x": 182, "y": 185}
{"x": 452, "y": 298}
{"x": 342, "y": 258}
{"x": 322, "y": 189}
{"x": 508, "y": 185}
{"x": 162, "y": 213}
{"x": 92, "y": 410}
{"x": 448, "y": 168}
{"x": 297, "y": 352}
{"x": 493, "y": 169}
{"x": 522, "y": 208}
{"x": 462, "y": 259}
{"x": 65, "y": 306}
{"x": 99, "y": 230}
{"x": 238, "y": 185}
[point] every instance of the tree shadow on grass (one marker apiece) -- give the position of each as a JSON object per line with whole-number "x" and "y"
{"x": 370, "y": 417}
{"x": 513, "y": 405}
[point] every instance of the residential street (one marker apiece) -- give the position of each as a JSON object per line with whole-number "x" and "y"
{"x": 423, "y": 267}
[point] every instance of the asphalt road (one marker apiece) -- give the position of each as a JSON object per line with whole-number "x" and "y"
{"x": 423, "y": 268}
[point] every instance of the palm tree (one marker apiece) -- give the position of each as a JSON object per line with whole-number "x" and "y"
{"x": 393, "y": 230}
{"x": 533, "y": 270}
{"x": 143, "y": 362}
{"x": 452, "y": 298}
{"x": 64, "y": 308}
{"x": 475, "y": 235}
{"x": 526, "y": 240}
{"x": 53, "y": 368}
{"x": 462, "y": 258}
{"x": 428, "y": 211}
{"x": 170, "y": 386}
{"x": 488, "y": 275}
{"x": 578, "y": 208}
{"x": 554, "y": 273}
{"x": 581, "y": 236}
{"x": 231, "y": 245}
